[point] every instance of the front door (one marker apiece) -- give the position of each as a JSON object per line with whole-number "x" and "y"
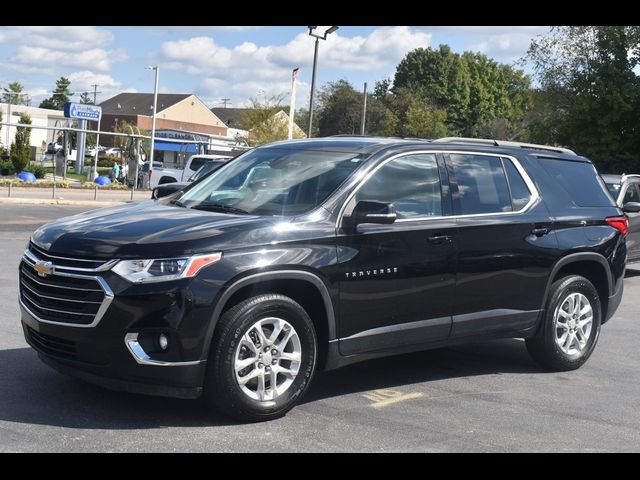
{"x": 397, "y": 280}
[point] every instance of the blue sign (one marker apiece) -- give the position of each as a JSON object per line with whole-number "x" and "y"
{"x": 82, "y": 111}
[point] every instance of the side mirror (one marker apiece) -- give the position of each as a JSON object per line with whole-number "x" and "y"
{"x": 631, "y": 207}
{"x": 367, "y": 211}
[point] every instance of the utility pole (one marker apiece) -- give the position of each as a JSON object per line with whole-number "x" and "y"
{"x": 225, "y": 101}
{"x": 364, "y": 110}
{"x": 95, "y": 92}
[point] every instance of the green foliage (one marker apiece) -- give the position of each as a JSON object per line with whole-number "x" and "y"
{"x": 6, "y": 167}
{"x": 266, "y": 120}
{"x": 473, "y": 89}
{"x": 340, "y": 112}
{"x": 13, "y": 93}
{"x": 86, "y": 98}
{"x": 38, "y": 170}
{"x": 61, "y": 95}
{"x": 20, "y": 148}
{"x": 590, "y": 92}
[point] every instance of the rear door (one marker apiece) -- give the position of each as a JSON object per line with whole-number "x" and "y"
{"x": 505, "y": 244}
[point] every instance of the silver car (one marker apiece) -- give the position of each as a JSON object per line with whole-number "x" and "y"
{"x": 625, "y": 189}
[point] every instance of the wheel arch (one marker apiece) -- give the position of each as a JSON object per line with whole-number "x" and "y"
{"x": 593, "y": 266}
{"x": 314, "y": 297}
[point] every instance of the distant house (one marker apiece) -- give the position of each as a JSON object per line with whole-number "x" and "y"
{"x": 232, "y": 118}
{"x": 180, "y": 116}
{"x": 40, "y": 117}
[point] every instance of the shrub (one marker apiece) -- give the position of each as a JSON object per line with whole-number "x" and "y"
{"x": 37, "y": 183}
{"x": 6, "y": 167}
{"x": 106, "y": 161}
{"x": 20, "y": 157}
{"x": 39, "y": 171}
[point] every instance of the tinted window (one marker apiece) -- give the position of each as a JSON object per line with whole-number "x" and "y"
{"x": 631, "y": 195}
{"x": 411, "y": 183}
{"x": 520, "y": 194}
{"x": 197, "y": 162}
{"x": 482, "y": 185}
{"x": 580, "y": 180}
{"x": 210, "y": 166}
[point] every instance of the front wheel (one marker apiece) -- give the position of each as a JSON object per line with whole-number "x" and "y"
{"x": 262, "y": 358}
{"x": 571, "y": 326}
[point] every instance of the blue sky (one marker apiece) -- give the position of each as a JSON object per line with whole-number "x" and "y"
{"x": 233, "y": 62}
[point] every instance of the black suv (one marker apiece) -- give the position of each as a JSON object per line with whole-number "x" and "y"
{"x": 319, "y": 253}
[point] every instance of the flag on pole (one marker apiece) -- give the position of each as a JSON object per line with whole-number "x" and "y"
{"x": 292, "y": 104}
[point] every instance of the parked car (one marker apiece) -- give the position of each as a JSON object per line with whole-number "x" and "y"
{"x": 625, "y": 189}
{"x": 168, "y": 174}
{"x": 315, "y": 254}
{"x": 113, "y": 152}
{"x": 143, "y": 172}
{"x": 169, "y": 188}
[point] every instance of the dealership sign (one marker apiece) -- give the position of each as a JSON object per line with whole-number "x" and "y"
{"x": 82, "y": 111}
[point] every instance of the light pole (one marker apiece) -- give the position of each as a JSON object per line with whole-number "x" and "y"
{"x": 327, "y": 31}
{"x": 153, "y": 120}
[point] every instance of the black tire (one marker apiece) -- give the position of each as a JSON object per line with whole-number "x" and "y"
{"x": 543, "y": 347}
{"x": 222, "y": 390}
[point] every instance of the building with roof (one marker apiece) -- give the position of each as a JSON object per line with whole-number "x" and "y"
{"x": 40, "y": 117}
{"x": 179, "y": 116}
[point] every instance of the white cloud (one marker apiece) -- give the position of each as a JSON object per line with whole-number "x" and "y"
{"x": 67, "y": 38}
{"x": 42, "y": 57}
{"x": 247, "y": 68}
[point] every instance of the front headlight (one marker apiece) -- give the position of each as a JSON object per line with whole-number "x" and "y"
{"x": 164, "y": 269}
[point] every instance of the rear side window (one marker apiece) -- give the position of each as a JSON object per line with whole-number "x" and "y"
{"x": 520, "y": 194}
{"x": 196, "y": 163}
{"x": 482, "y": 184}
{"x": 631, "y": 195}
{"x": 580, "y": 180}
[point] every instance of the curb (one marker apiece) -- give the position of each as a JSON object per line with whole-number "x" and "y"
{"x": 57, "y": 201}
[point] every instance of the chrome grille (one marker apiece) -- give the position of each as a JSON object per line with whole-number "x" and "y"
{"x": 62, "y": 297}
{"x": 69, "y": 263}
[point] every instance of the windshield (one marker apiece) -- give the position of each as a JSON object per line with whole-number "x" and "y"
{"x": 206, "y": 168}
{"x": 273, "y": 181}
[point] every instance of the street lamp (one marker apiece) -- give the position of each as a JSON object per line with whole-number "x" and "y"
{"x": 325, "y": 31}
{"x": 153, "y": 120}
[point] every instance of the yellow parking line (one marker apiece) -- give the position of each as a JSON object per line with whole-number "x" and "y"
{"x": 384, "y": 398}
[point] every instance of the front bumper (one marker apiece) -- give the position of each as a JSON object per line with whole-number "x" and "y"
{"x": 104, "y": 352}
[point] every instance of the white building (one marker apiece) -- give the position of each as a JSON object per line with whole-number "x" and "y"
{"x": 41, "y": 117}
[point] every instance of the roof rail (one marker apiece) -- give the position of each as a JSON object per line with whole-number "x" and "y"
{"x": 503, "y": 143}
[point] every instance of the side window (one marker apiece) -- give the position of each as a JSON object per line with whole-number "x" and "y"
{"x": 410, "y": 182}
{"x": 196, "y": 163}
{"x": 520, "y": 194}
{"x": 482, "y": 184}
{"x": 631, "y": 195}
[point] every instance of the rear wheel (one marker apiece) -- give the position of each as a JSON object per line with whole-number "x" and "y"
{"x": 571, "y": 325}
{"x": 262, "y": 358}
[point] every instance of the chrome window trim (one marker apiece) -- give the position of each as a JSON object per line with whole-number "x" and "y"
{"x": 108, "y": 298}
{"x": 102, "y": 268}
{"x": 143, "y": 358}
{"x": 535, "y": 195}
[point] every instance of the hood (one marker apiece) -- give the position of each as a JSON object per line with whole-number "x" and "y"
{"x": 151, "y": 230}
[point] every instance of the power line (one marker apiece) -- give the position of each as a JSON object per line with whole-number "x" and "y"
{"x": 225, "y": 101}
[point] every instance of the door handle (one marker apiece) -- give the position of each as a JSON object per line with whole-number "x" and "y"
{"x": 439, "y": 239}
{"x": 540, "y": 231}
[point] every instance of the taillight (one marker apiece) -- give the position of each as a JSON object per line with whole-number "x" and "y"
{"x": 619, "y": 223}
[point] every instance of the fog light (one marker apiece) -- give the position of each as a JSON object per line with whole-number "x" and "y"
{"x": 163, "y": 341}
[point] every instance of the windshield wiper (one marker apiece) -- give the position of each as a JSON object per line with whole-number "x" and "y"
{"x": 219, "y": 207}
{"x": 177, "y": 203}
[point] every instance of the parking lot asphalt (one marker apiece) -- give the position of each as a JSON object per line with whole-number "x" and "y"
{"x": 482, "y": 397}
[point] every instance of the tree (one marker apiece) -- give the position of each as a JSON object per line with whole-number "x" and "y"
{"x": 471, "y": 88}
{"x": 21, "y": 146}
{"x": 266, "y": 120}
{"x": 61, "y": 95}
{"x": 13, "y": 93}
{"x": 591, "y": 94}
{"x": 86, "y": 98}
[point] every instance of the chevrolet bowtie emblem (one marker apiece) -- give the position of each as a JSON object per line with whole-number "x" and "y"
{"x": 43, "y": 268}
